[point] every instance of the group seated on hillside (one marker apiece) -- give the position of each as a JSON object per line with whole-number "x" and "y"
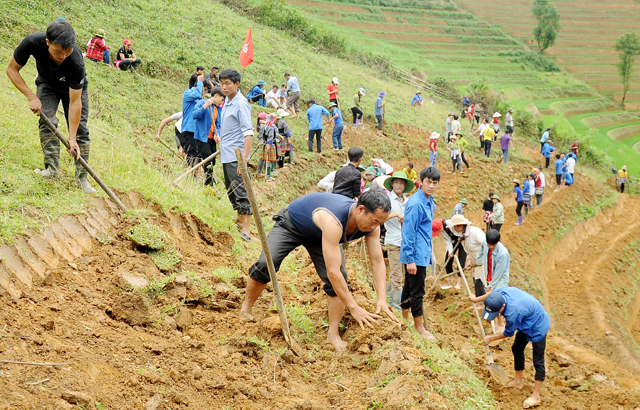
{"x": 99, "y": 52}
{"x": 126, "y": 59}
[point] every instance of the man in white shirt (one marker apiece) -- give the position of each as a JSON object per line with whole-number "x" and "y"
{"x": 272, "y": 98}
{"x": 571, "y": 165}
{"x": 399, "y": 184}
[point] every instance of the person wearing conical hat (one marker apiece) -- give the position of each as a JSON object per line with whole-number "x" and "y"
{"x": 399, "y": 185}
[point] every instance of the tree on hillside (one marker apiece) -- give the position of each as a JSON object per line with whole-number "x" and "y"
{"x": 628, "y": 45}
{"x": 546, "y": 31}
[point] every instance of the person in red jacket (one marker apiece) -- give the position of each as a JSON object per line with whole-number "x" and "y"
{"x": 98, "y": 50}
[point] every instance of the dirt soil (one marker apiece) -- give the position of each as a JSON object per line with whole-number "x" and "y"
{"x": 67, "y": 298}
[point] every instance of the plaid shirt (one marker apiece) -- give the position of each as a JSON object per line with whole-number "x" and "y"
{"x": 96, "y": 49}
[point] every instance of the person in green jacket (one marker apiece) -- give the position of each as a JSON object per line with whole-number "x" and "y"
{"x": 357, "y": 107}
{"x": 463, "y": 144}
{"x": 498, "y": 213}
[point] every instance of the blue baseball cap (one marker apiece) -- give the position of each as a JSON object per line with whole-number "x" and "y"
{"x": 492, "y": 306}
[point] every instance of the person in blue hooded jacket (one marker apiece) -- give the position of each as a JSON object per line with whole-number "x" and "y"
{"x": 258, "y": 94}
{"x": 205, "y": 112}
{"x": 547, "y": 149}
{"x": 189, "y": 99}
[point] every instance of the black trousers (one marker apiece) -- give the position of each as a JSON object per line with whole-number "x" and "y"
{"x": 487, "y": 148}
{"x": 497, "y": 227}
{"x": 519, "y": 208}
{"x": 464, "y": 159}
{"x": 357, "y": 114}
{"x": 190, "y": 147}
{"x": 519, "y": 344}
{"x": 546, "y": 162}
{"x": 479, "y": 287}
{"x": 283, "y": 239}
{"x": 318, "y": 135}
{"x": 462, "y": 257}
{"x": 204, "y": 151}
{"x": 413, "y": 291}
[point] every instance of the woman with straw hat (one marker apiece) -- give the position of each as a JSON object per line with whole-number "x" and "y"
{"x": 454, "y": 153}
{"x": 398, "y": 185}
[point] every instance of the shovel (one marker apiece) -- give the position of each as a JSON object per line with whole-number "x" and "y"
{"x": 496, "y": 371}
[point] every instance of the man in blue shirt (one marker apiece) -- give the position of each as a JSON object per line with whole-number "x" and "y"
{"x": 314, "y": 115}
{"x": 236, "y": 131}
{"x": 293, "y": 94}
{"x": 417, "y": 100}
{"x": 524, "y": 314}
{"x": 204, "y": 113}
{"x": 547, "y": 149}
{"x": 338, "y": 126}
{"x": 189, "y": 99}
{"x": 559, "y": 164}
{"x": 545, "y": 137}
{"x": 321, "y": 222}
{"x": 257, "y": 94}
{"x": 415, "y": 250}
{"x": 378, "y": 110}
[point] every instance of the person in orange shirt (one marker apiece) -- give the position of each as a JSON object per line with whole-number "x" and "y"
{"x": 332, "y": 90}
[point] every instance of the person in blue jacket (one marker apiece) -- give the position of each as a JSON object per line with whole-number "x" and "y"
{"x": 378, "y": 111}
{"x": 207, "y": 111}
{"x": 417, "y": 99}
{"x": 314, "y": 115}
{"x": 257, "y": 94}
{"x": 527, "y": 319}
{"x": 338, "y": 126}
{"x": 547, "y": 149}
{"x": 415, "y": 249}
{"x": 189, "y": 99}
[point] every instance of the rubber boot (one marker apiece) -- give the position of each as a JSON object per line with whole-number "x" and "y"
{"x": 526, "y": 211}
{"x": 51, "y": 150}
{"x": 291, "y": 157}
{"x": 274, "y": 169}
{"x": 81, "y": 173}
{"x": 260, "y": 167}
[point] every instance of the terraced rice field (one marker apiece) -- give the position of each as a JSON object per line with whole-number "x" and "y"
{"x": 585, "y": 44}
{"x": 470, "y": 40}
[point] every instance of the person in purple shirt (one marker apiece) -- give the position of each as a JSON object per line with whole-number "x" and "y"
{"x": 415, "y": 249}
{"x": 506, "y": 142}
{"x": 525, "y": 315}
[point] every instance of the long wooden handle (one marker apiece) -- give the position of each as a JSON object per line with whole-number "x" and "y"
{"x": 84, "y": 164}
{"x": 265, "y": 248}
{"x": 443, "y": 266}
{"x": 475, "y": 309}
{"x": 190, "y": 171}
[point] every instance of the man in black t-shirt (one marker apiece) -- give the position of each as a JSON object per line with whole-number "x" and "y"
{"x": 61, "y": 78}
{"x": 127, "y": 59}
{"x": 347, "y": 181}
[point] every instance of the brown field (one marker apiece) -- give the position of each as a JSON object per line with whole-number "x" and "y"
{"x": 606, "y": 120}
{"x": 409, "y": 37}
{"x": 333, "y": 6}
{"x": 624, "y": 132}
{"x": 390, "y": 28}
{"x": 568, "y": 51}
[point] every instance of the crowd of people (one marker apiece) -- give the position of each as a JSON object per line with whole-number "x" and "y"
{"x": 369, "y": 204}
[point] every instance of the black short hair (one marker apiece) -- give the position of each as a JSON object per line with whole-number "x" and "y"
{"x": 374, "y": 199}
{"x": 214, "y": 68}
{"x": 61, "y": 33}
{"x": 199, "y": 68}
{"x": 455, "y": 117}
{"x": 311, "y": 102}
{"x": 410, "y": 164}
{"x": 274, "y": 86}
{"x": 231, "y": 74}
{"x": 430, "y": 172}
{"x": 355, "y": 153}
{"x": 557, "y": 156}
{"x": 217, "y": 91}
{"x": 490, "y": 194}
{"x": 493, "y": 236}
{"x": 193, "y": 80}
{"x": 287, "y": 74}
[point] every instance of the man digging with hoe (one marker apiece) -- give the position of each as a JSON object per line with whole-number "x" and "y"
{"x": 321, "y": 222}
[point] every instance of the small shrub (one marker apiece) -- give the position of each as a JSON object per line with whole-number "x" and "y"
{"x": 147, "y": 235}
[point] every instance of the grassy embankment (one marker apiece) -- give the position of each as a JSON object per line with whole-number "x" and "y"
{"x": 172, "y": 42}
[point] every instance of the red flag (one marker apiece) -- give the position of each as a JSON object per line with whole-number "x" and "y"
{"x": 246, "y": 54}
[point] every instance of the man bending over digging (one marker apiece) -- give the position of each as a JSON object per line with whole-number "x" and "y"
{"x": 321, "y": 222}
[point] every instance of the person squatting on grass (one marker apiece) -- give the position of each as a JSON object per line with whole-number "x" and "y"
{"x": 398, "y": 185}
{"x": 236, "y": 131}
{"x": 415, "y": 250}
{"x": 126, "y": 59}
{"x": 314, "y": 116}
{"x": 61, "y": 78}
{"x": 526, "y": 319}
{"x": 321, "y": 222}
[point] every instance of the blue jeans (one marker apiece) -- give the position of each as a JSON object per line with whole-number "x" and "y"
{"x": 505, "y": 154}
{"x": 433, "y": 156}
{"x": 337, "y": 136}
{"x": 107, "y": 57}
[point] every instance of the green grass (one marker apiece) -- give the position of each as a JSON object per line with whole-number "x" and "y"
{"x": 147, "y": 235}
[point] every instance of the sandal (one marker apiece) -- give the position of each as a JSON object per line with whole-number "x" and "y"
{"x": 531, "y": 402}
{"x": 429, "y": 336}
{"x": 245, "y": 236}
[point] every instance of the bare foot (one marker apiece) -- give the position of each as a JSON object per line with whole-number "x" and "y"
{"x": 246, "y": 316}
{"x": 515, "y": 385}
{"x": 339, "y": 344}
